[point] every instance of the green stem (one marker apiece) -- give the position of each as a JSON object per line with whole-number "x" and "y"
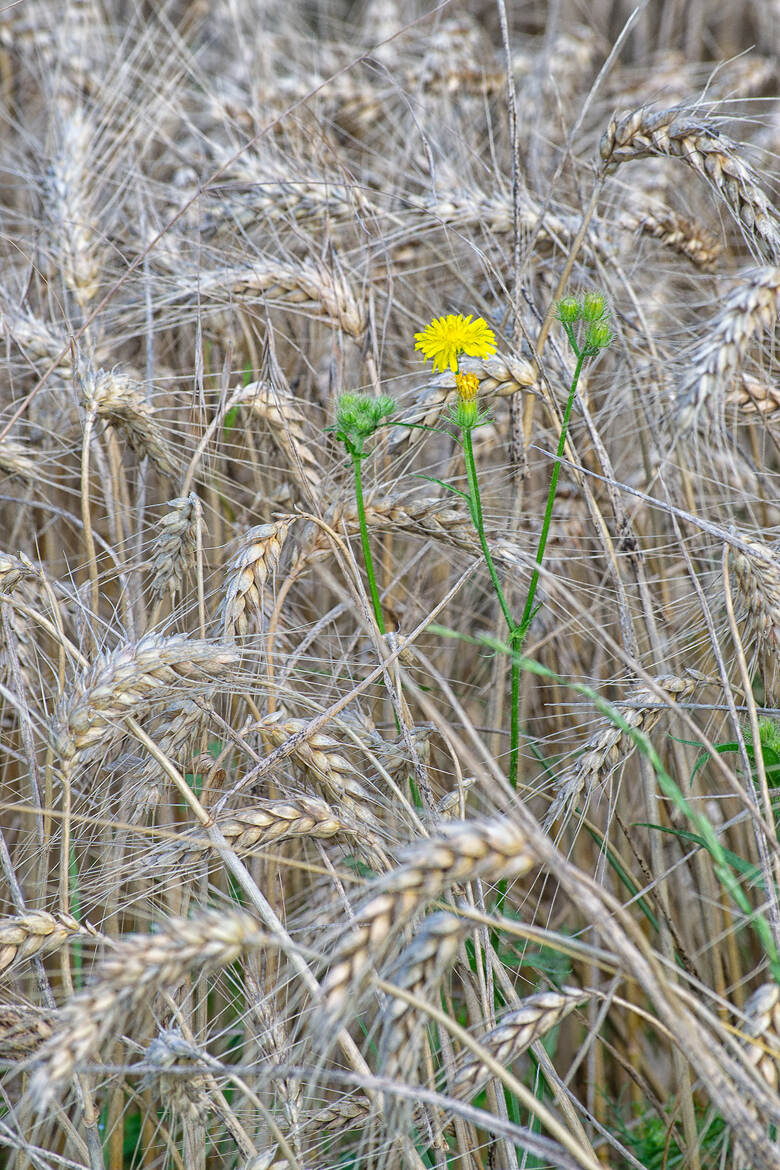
{"x": 357, "y": 459}
{"x": 528, "y": 612}
{"x": 475, "y": 503}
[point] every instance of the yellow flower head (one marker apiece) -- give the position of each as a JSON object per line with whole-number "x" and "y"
{"x": 446, "y": 338}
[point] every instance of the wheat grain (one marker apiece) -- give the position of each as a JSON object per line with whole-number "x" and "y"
{"x": 754, "y": 397}
{"x": 762, "y": 1011}
{"x": 16, "y": 459}
{"x": 321, "y": 758}
{"x": 419, "y": 969}
{"x": 69, "y": 189}
{"x": 304, "y": 285}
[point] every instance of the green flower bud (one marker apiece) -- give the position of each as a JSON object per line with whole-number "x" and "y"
{"x": 594, "y": 306}
{"x": 598, "y": 336}
{"x": 569, "y": 310}
{"x": 359, "y": 415}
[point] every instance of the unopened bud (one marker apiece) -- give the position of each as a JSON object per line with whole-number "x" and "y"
{"x": 569, "y": 310}
{"x": 594, "y": 306}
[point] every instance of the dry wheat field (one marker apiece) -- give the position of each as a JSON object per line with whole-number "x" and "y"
{"x": 313, "y": 855}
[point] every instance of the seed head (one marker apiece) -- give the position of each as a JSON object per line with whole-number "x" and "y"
{"x": 598, "y": 336}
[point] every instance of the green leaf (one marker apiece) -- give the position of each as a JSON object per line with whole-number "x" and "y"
{"x": 450, "y": 488}
{"x": 745, "y": 868}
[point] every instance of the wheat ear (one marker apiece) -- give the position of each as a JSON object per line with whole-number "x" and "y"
{"x": 138, "y": 966}
{"x": 266, "y": 822}
{"x": 750, "y": 310}
{"x": 611, "y": 746}
{"x": 257, "y": 559}
{"x": 35, "y": 934}
{"x": 518, "y": 1030}
{"x": 676, "y": 134}
{"x": 757, "y": 572}
{"x": 460, "y": 852}
{"x": 129, "y": 680}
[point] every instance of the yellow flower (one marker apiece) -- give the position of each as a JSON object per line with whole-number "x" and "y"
{"x": 446, "y": 338}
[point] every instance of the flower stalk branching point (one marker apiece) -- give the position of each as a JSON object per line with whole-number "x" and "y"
{"x": 358, "y": 416}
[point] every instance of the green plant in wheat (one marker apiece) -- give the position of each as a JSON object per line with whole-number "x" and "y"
{"x": 587, "y": 329}
{"x": 358, "y": 417}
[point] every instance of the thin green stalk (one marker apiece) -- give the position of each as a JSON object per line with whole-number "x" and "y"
{"x": 475, "y": 502}
{"x": 528, "y": 612}
{"x": 475, "y": 506}
{"x": 357, "y": 459}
